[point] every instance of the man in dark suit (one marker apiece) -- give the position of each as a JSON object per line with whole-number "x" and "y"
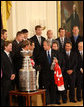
{"x": 62, "y": 39}
{"x": 3, "y": 38}
{"x": 46, "y": 76}
{"x": 50, "y": 36}
{"x": 38, "y": 40}
{"x": 75, "y": 38}
{"x": 8, "y": 73}
{"x": 69, "y": 73}
{"x": 25, "y": 47}
{"x": 16, "y": 47}
{"x": 79, "y": 73}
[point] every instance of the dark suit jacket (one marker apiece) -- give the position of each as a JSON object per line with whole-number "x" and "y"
{"x": 75, "y": 44}
{"x": 46, "y": 76}
{"x": 15, "y": 54}
{"x": 2, "y": 45}
{"x": 60, "y": 45}
{"x": 61, "y": 60}
{"x": 80, "y": 62}
{"x": 38, "y": 48}
{"x": 71, "y": 62}
{"x": 15, "y": 47}
{"x": 8, "y": 70}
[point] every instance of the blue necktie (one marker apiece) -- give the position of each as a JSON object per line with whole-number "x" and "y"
{"x": 49, "y": 58}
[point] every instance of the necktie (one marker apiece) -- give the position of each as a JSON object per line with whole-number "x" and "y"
{"x": 62, "y": 42}
{"x": 39, "y": 38}
{"x": 11, "y": 62}
{"x": 10, "y": 58}
{"x": 49, "y": 58}
{"x": 68, "y": 54}
{"x": 81, "y": 55}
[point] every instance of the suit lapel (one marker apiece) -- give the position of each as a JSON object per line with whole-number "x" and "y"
{"x": 36, "y": 39}
{"x": 77, "y": 39}
{"x": 52, "y": 55}
{"x": 46, "y": 58}
{"x": 41, "y": 41}
{"x": 73, "y": 39}
{"x": 80, "y": 56}
{"x": 7, "y": 57}
{"x": 59, "y": 41}
{"x": 64, "y": 40}
{"x": 71, "y": 56}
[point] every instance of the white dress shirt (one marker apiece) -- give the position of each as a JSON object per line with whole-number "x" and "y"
{"x": 39, "y": 39}
{"x": 81, "y": 52}
{"x": 7, "y": 53}
{"x": 62, "y": 38}
{"x": 68, "y": 53}
{"x": 17, "y": 41}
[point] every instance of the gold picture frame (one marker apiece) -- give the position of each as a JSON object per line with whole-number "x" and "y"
{"x": 58, "y": 16}
{"x": 67, "y": 7}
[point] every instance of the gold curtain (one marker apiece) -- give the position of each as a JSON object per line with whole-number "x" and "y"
{"x": 5, "y": 11}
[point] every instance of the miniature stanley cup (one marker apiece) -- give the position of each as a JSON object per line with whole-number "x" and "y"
{"x": 27, "y": 75}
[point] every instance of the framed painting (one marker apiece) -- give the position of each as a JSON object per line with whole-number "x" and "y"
{"x": 70, "y": 13}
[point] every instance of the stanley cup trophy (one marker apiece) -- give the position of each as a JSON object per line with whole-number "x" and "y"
{"x": 27, "y": 74}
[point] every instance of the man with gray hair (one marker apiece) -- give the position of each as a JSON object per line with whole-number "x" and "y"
{"x": 50, "y": 36}
{"x": 79, "y": 73}
{"x": 46, "y": 76}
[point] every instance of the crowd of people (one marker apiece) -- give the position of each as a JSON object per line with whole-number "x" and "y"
{"x": 68, "y": 52}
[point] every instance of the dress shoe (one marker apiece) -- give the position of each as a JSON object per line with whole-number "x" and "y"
{"x": 79, "y": 100}
{"x": 58, "y": 103}
{"x": 74, "y": 101}
{"x": 64, "y": 102}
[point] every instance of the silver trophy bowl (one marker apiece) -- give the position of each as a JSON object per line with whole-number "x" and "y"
{"x": 27, "y": 74}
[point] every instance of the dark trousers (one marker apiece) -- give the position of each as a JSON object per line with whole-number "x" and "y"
{"x": 70, "y": 80}
{"x": 50, "y": 90}
{"x": 4, "y": 98}
{"x": 62, "y": 94}
{"x": 50, "y": 94}
{"x": 79, "y": 82}
{"x": 5, "y": 88}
